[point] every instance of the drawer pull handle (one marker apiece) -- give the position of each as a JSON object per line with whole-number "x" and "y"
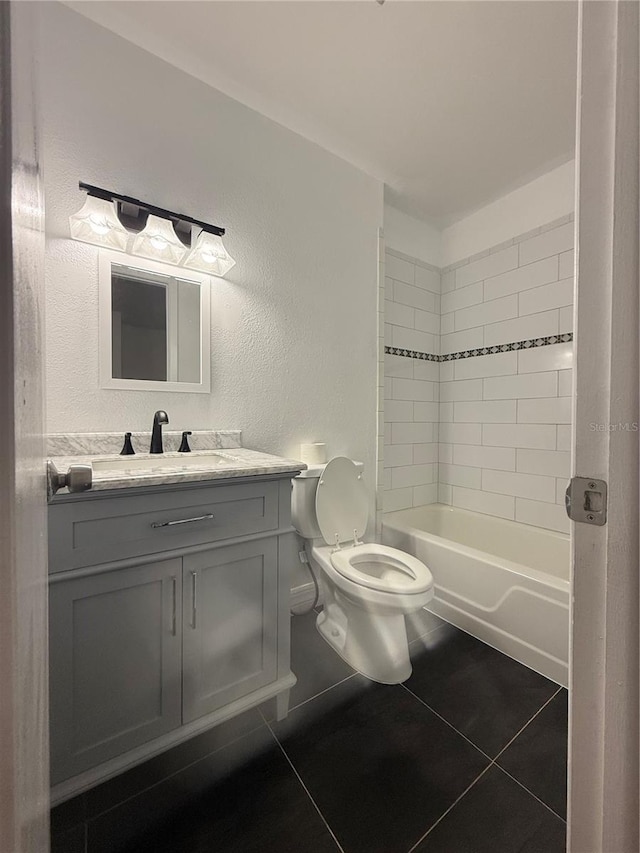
{"x": 182, "y": 521}
{"x": 194, "y": 596}
{"x": 174, "y": 584}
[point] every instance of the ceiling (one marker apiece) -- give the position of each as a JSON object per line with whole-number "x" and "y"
{"x": 451, "y": 104}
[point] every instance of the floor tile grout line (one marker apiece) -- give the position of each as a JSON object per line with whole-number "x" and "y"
{"x": 139, "y": 793}
{"x": 322, "y": 692}
{"x": 517, "y": 734}
{"x": 451, "y": 726}
{"x": 445, "y": 813}
{"x": 524, "y": 787}
{"x": 306, "y": 790}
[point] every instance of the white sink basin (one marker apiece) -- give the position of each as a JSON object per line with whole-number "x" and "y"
{"x": 166, "y": 462}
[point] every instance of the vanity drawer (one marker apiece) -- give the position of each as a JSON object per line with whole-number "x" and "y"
{"x": 100, "y": 530}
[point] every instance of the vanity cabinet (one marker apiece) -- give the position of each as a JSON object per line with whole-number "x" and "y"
{"x": 115, "y": 661}
{"x": 169, "y": 613}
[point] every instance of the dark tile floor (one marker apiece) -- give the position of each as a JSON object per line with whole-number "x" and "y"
{"x": 468, "y": 756}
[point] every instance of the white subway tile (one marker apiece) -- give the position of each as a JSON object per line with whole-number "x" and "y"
{"x": 547, "y": 515}
{"x": 414, "y": 340}
{"x": 490, "y": 504}
{"x": 458, "y": 341}
{"x": 458, "y": 475}
{"x": 564, "y": 436}
{"x": 412, "y": 389}
{"x": 398, "y": 454}
{"x": 540, "y": 436}
{"x": 445, "y": 493}
{"x": 545, "y": 410}
{"x": 487, "y": 312}
{"x": 523, "y": 278}
{"x": 506, "y": 259}
{"x": 445, "y": 453}
{"x": 567, "y": 264}
{"x": 386, "y": 480}
{"x": 555, "y": 463}
{"x": 565, "y": 321}
{"x": 399, "y": 269}
{"x": 521, "y": 385}
{"x": 500, "y": 364}
{"x": 550, "y": 243}
{"x": 388, "y": 288}
{"x": 427, "y": 494}
{"x": 485, "y": 411}
{"x": 398, "y": 315}
{"x": 556, "y": 295}
{"x": 426, "y": 412}
{"x": 426, "y": 321}
{"x": 424, "y": 454}
{"x": 461, "y": 433}
{"x": 396, "y": 365}
{"x": 397, "y": 499}
{"x": 448, "y": 281}
{"x": 447, "y": 323}
{"x": 413, "y": 296}
{"x": 462, "y": 389}
{"x": 388, "y": 388}
{"x": 520, "y": 485}
{"x": 428, "y": 370}
{"x": 427, "y": 279}
{"x": 461, "y": 298}
{"x": 446, "y": 371}
{"x": 478, "y": 456}
{"x": 417, "y": 433}
{"x": 561, "y": 488}
{"x": 565, "y": 383}
{"x": 552, "y": 357}
{"x": 398, "y": 411}
{"x": 414, "y": 475}
{"x": 523, "y": 328}
{"x": 446, "y": 413}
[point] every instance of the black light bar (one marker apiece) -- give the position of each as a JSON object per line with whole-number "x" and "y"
{"x": 135, "y": 219}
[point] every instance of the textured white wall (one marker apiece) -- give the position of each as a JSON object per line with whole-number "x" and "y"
{"x": 293, "y": 327}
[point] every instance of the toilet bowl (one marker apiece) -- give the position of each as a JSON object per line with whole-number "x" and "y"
{"x": 368, "y": 589}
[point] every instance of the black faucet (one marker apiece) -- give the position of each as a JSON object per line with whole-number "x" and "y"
{"x": 159, "y": 418}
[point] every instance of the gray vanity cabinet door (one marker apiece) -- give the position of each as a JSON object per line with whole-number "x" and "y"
{"x": 230, "y": 608}
{"x": 115, "y": 663}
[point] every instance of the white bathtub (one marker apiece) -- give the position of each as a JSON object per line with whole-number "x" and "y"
{"x": 504, "y": 582}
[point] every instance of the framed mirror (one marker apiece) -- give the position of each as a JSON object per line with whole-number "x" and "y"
{"x": 154, "y": 326}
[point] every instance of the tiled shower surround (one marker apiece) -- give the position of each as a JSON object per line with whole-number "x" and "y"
{"x": 490, "y": 382}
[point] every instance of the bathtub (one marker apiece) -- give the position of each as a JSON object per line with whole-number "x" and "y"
{"x": 504, "y": 582}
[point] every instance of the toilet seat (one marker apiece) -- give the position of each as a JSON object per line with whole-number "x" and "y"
{"x": 342, "y": 502}
{"x": 382, "y": 568}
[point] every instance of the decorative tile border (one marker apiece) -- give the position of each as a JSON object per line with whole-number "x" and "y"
{"x": 546, "y": 341}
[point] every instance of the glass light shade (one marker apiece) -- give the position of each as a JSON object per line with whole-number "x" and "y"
{"x": 159, "y": 241}
{"x": 209, "y": 255}
{"x": 97, "y": 222}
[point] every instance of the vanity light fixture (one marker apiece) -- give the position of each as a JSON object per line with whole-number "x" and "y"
{"x": 209, "y": 255}
{"x": 97, "y": 222}
{"x": 159, "y": 241}
{"x": 114, "y": 220}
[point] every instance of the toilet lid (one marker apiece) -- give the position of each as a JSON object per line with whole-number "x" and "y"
{"x": 342, "y": 503}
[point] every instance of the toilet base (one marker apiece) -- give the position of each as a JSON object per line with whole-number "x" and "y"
{"x": 375, "y": 645}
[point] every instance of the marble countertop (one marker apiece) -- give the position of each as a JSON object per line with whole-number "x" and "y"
{"x": 171, "y": 467}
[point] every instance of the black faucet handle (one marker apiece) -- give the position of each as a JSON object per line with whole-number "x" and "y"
{"x": 127, "y": 447}
{"x": 184, "y": 444}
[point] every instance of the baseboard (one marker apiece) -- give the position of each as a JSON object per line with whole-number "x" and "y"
{"x": 303, "y": 595}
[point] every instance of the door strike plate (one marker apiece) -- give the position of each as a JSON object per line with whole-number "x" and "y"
{"x": 586, "y": 500}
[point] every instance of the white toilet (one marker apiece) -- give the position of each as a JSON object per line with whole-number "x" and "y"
{"x": 368, "y": 589}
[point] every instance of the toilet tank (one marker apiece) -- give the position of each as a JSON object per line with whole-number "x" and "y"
{"x": 303, "y": 501}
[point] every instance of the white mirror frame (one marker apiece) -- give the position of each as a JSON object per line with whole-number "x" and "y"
{"x": 106, "y": 259}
